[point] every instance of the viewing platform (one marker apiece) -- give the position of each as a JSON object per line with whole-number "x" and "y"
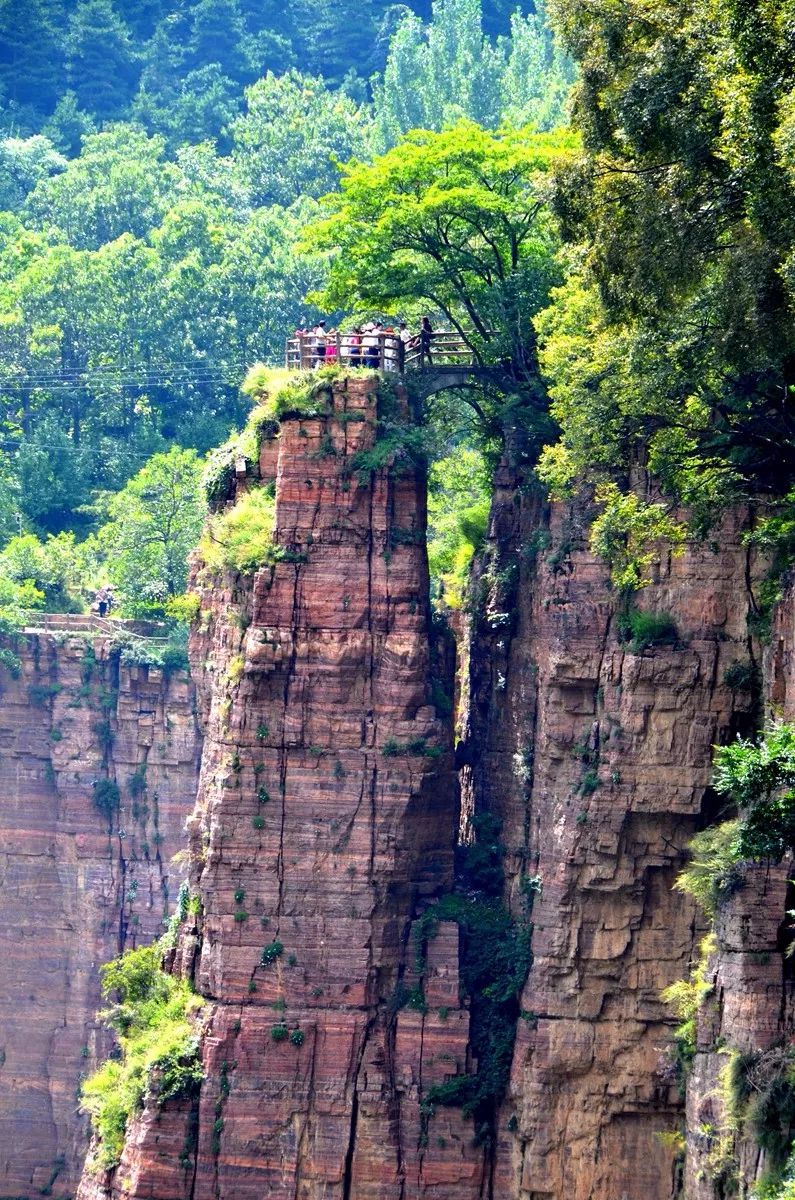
{"x": 450, "y": 361}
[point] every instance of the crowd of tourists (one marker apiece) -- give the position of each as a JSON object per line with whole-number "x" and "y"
{"x": 371, "y": 344}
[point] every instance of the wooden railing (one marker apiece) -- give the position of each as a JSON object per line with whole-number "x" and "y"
{"x": 378, "y": 351}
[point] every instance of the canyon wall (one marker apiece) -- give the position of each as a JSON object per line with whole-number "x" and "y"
{"x": 334, "y": 1029}
{"x": 84, "y": 872}
{"x": 747, "y": 1015}
{"x": 596, "y": 754}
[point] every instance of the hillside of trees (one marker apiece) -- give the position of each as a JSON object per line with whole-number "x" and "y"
{"x": 158, "y": 166}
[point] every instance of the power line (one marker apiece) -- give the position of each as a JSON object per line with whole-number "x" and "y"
{"x": 172, "y": 370}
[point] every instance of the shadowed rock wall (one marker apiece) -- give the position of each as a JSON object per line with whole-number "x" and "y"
{"x": 749, "y": 1010}
{"x": 597, "y": 757}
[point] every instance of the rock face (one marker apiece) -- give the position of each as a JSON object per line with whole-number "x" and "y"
{"x": 327, "y": 814}
{"x": 78, "y": 882}
{"x": 749, "y": 1011}
{"x": 326, "y": 820}
{"x": 596, "y": 754}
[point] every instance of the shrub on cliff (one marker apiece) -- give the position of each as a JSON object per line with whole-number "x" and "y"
{"x": 758, "y": 778}
{"x": 240, "y": 538}
{"x": 642, "y": 630}
{"x": 152, "y": 1016}
{"x": 713, "y": 872}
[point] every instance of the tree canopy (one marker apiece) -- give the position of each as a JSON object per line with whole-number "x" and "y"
{"x": 456, "y": 221}
{"x": 674, "y": 338}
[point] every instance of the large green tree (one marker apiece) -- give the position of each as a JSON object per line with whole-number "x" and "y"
{"x": 294, "y": 132}
{"x": 457, "y": 221}
{"x": 437, "y": 73}
{"x": 153, "y": 524}
{"x": 675, "y": 342}
{"x": 101, "y": 59}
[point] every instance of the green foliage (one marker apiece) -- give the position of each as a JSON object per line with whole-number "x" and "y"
{"x": 107, "y": 797}
{"x": 458, "y": 512}
{"x": 625, "y": 532}
{"x": 297, "y": 1037}
{"x": 495, "y": 959}
{"x": 759, "y": 779}
{"x": 167, "y": 655}
{"x": 455, "y": 220}
{"x": 643, "y": 630}
{"x": 714, "y": 870}
{"x": 153, "y": 524}
{"x": 496, "y": 956}
{"x": 448, "y": 69}
{"x": 184, "y": 609}
{"x": 271, "y": 952}
{"x": 673, "y": 339}
{"x": 279, "y": 1033}
{"x": 685, "y": 998}
{"x": 741, "y": 676}
{"x": 416, "y": 746}
{"x": 47, "y": 573}
{"x": 292, "y": 135}
{"x": 152, "y": 1016}
{"x": 240, "y": 538}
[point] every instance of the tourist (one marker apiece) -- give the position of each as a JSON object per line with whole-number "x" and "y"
{"x": 391, "y": 345}
{"x": 319, "y": 338}
{"x": 406, "y": 338}
{"x": 331, "y": 348}
{"x": 351, "y": 347}
{"x": 371, "y": 344}
{"x": 426, "y": 335}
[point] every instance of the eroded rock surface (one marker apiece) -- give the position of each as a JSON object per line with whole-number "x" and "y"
{"x": 597, "y": 756}
{"x": 78, "y": 883}
{"x": 327, "y": 814}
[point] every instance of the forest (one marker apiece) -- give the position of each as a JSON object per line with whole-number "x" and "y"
{"x": 183, "y": 184}
{"x": 159, "y": 166}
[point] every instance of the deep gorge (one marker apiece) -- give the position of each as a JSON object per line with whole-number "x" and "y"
{"x": 335, "y": 919}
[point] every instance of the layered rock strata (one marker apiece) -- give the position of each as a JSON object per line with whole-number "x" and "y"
{"x": 85, "y": 871}
{"x": 596, "y": 755}
{"x": 326, "y": 820}
{"x": 327, "y": 816}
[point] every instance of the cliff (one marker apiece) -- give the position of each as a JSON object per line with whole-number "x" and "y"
{"x": 595, "y": 751}
{"x": 352, "y": 1042}
{"x": 746, "y": 1022}
{"x": 85, "y": 871}
{"x": 326, "y": 816}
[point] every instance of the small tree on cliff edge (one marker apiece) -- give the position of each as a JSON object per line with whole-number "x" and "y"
{"x": 457, "y": 221}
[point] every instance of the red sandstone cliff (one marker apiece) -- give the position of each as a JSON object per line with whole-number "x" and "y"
{"x": 598, "y": 760}
{"x": 74, "y": 889}
{"x": 750, "y": 1007}
{"x": 595, "y": 755}
{"x": 327, "y": 811}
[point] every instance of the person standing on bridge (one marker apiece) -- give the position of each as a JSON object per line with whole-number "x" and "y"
{"x": 426, "y": 336}
{"x": 320, "y": 337}
{"x": 405, "y": 338}
{"x": 371, "y": 344}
